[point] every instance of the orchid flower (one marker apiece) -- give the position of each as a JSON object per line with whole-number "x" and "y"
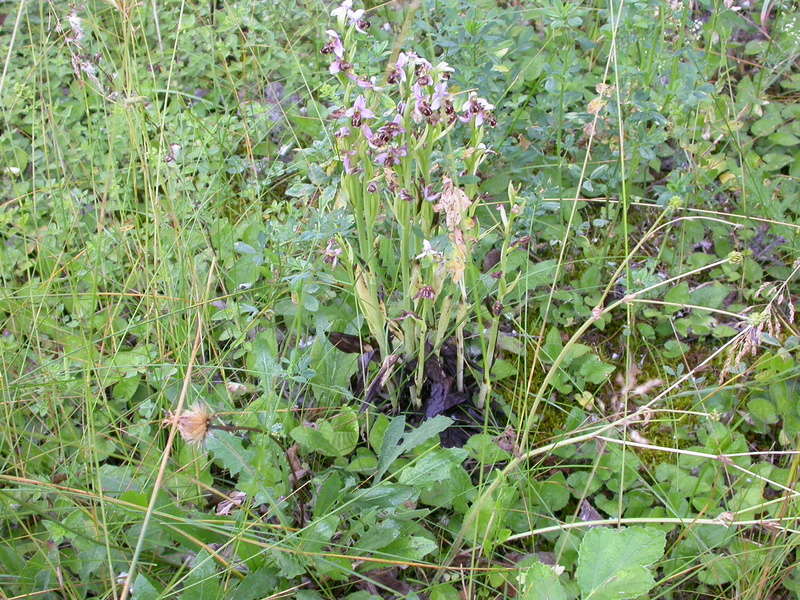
{"x": 356, "y": 17}
{"x": 479, "y": 109}
{"x": 364, "y": 83}
{"x": 359, "y": 111}
{"x": 398, "y": 74}
{"x": 391, "y": 156}
{"x": 444, "y": 70}
{"x": 335, "y": 45}
{"x": 440, "y": 94}
{"x": 347, "y": 161}
{"x": 339, "y": 66}
{"x": 404, "y": 58}
{"x": 428, "y": 250}
{"x": 343, "y": 10}
{"x": 422, "y": 108}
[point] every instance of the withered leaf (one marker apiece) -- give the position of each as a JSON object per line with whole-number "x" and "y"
{"x": 352, "y": 344}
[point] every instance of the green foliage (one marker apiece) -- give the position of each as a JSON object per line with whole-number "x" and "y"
{"x": 336, "y": 436}
{"x": 539, "y": 582}
{"x": 171, "y": 167}
{"x": 613, "y": 563}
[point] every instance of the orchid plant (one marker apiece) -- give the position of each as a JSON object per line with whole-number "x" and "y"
{"x": 401, "y": 185}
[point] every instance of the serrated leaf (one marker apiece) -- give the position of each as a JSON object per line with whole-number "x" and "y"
{"x": 261, "y": 467}
{"x": 290, "y": 565}
{"x": 595, "y": 370}
{"x": 613, "y": 563}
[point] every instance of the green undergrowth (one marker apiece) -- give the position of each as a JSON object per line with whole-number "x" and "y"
{"x": 546, "y": 347}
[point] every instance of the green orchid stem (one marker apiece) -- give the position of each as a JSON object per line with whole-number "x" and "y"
{"x": 463, "y": 309}
{"x": 502, "y": 290}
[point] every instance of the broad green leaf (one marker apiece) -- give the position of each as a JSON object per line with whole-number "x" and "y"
{"x": 595, "y": 370}
{"x": 144, "y": 590}
{"x": 308, "y": 595}
{"x": 765, "y": 125}
{"x": 385, "y": 495}
{"x": 552, "y": 494}
{"x": 552, "y": 345}
{"x": 255, "y": 584}
{"x": 433, "y": 467}
{"x": 539, "y": 582}
{"x": 202, "y": 582}
{"x": 391, "y": 445}
{"x": 379, "y": 536}
{"x": 439, "y": 477}
{"x": 319, "y": 533}
{"x": 378, "y": 431}
{"x": 763, "y": 410}
{"x": 776, "y": 160}
{"x": 678, "y": 294}
{"x": 613, "y": 563}
{"x": 718, "y": 569}
{"x": 361, "y": 595}
{"x": 783, "y": 138}
{"x": 337, "y": 436}
{"x": 483, "y": 448}
{"x": 710, "y": 295}
{"x": 503, "y": 369}
{"x": 445, "y": 591}
{"x": 674, "y": 349}
{"x": 412, "y": 548}
{"x": 575, "y": 351}
{"x": 396, "y": 442}
{"x": 327, "y": 493}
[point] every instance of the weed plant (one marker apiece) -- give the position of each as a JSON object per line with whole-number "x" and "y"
{"x": 239, "y": 238}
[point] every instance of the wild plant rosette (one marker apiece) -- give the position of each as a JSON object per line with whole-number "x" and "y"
{"x": 412, "y": 263}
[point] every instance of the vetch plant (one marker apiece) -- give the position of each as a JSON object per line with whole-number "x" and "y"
{"x": 407, "y": 179}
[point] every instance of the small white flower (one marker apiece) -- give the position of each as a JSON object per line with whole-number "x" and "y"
{"x": 343, "y": 10}
{"x": 427, "y": 250}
